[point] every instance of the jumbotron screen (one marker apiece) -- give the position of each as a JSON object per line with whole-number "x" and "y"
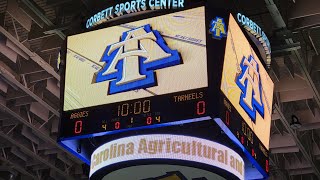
{"x": 146, "y": 72}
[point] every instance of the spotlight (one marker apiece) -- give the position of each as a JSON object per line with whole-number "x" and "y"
{"x": 295, "y": 123}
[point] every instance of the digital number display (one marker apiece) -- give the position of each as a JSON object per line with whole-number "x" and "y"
{"x": 244, "y": 133}
{"x": 246, "y": 95}
{"x": 136, "y": 113}
{"x": 134, "y": 108}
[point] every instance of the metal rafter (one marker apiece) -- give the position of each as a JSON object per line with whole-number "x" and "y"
{"x": 35, "y": 156}
{"x": 303, "y": 150}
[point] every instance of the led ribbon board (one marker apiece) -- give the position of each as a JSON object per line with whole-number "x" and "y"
{"x": 164, "y": 146}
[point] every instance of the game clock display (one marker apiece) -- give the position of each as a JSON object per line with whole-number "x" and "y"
{"x": 152, "y": 111}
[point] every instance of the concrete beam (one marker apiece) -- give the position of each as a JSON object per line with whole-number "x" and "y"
{"x": 36, "y": 33}
{"x": 19, "y": 153}
{"x": 304, "y": 9}
{"x": 51, "y": 151}
{"x": 306, "y": 22}
{"x": 55, "y": 125}
{"x": 35, "y": 57}
{"x": 283, "y": 150}
{"x": 297, "y": 95}
{"x": 49, "y": 141}
{"x": 33, "y": 155}
{"x": 65, "y": 159}
{"x": 303, "y": 171}
{"x": 2, "y": 101}
{"x": 9, "y": 122}
{"x": 306, "y": 116}
{"x": 24, "y": 101}
{"x": 3, "y": 86}
{"x": 16, "y": 49}
{"x": 40, "y": 111}
{"x": 279, "y": 141}
{"x": 5, "y": 73}
{"x": 12, "y": 94}
{"x": 309, "y": 126}
{"x": 289, "y": 84}
{"x": 18, "y": 167}
{"x": 309, "y": 120}
{"x": 14, "y": 11}
{"x": 32, "y": 162}
{"x": 285, "y": 48}
{"x": 39, "y": 167}
{"x": 31, "y": 15}
{"x": 5, "y": 50}
{"x": 295, "y": 164}
{"x": 316, "y": 63}
{"x": 29, "y": 67}
{"x": 53, "y": 88}
{"x": 39, "y": 76}
{"x": 52, "y": 43}
{"x": 303, "y": 150}
{"x": 275, "y": 116}
{"x": 26, "y": 132}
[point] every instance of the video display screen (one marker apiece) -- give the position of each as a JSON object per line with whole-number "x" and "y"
{"x": 246, "y": 98}
{"x": 247, "y": 84}
{"x": 136, "y": 60}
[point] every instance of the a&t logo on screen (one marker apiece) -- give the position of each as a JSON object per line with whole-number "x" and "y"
{"x": 130, "y": 63}
{"x": 250, "y": 84}
{"x": 218, "y": 28}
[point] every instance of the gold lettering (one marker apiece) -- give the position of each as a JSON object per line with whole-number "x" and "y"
{"x": 142, "y": 146}
{"x": 232, "y": 162}
{"x": 130, "y": 148}
{"x": 214, "y": 150}
{"x": 168, "y": 144}
{"x": 239, "y": 166}
{"x": 206, "y": 152}
{"x": 161, "y": 143}
{"x": 101, "y": 156}
{"x": 188, "y": 97}
{"x": 106, "y": 154}
{"x": 152, "y": 148}
{"x": 199, "y": 145}
{"x": 226, "y": 157}
{"x": 114, "y": 150}
{"x": 80, "y": 114}
{"x": 220, "y": 156}
{"x": 120, "y": 150}
{"x": 176, "y": 147}
{"x": 185, "y": 150}
{"x": 194, "y": 148}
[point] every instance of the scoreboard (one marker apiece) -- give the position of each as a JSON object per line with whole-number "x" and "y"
{"x": 91, "y": 106}
{"x": 178, "y": 67}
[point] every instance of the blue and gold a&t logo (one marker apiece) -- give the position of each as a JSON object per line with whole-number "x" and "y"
{"x": 218, "y": 28}
{"x": 250, "y": 84}
{"x": 130, "y": 63}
